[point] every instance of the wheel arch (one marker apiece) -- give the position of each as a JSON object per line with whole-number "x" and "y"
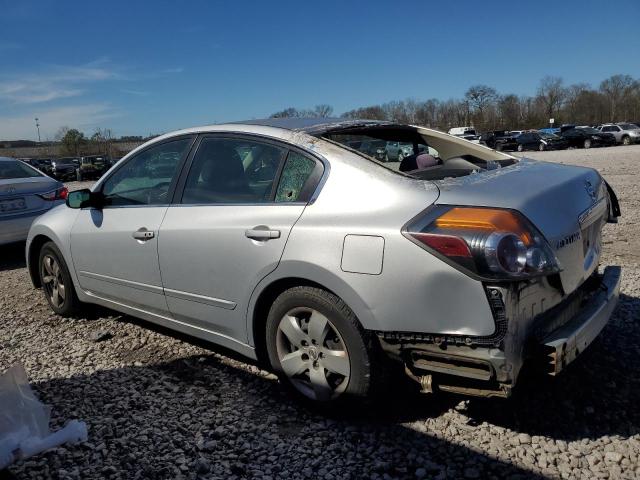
{"x": 269, "y": 289}
{"x": 33, "y": 255}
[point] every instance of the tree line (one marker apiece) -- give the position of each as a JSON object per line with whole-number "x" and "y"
{"x": 616, "y": 99}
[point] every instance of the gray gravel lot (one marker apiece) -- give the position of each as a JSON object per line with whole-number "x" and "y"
{"x": 164, "y": 407}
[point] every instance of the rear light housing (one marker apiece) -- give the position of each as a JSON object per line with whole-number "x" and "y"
{"x": 57, "y": 194}
{"x": 489, "y": 243}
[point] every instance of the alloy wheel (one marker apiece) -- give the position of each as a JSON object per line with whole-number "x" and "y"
{"x": 313, "y": 354}
{"x": 53, "y": 281}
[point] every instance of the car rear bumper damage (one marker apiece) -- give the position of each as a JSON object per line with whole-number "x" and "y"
{"x": 526, "y": 332}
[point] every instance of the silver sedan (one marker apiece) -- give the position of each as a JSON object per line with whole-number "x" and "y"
{"x": 281, "y": 240}
{"x": 25, "y": 193}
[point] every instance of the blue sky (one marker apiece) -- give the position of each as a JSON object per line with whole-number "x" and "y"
{"x": 149, "y": 67}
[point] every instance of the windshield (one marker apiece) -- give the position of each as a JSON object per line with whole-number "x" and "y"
{"x": 64, "y": 161}
{"x": 629, "y": 126}
{"x": 15, "y": 169}
{"x": 590, "y": 130}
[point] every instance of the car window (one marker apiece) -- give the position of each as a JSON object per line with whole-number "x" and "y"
{"x": 295, "y": 175}
{"x": 16, "y": 169}
{"x": 232, "y": 170}
{"x": 145, "y": 178}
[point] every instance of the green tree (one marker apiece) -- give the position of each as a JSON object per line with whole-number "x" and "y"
{"x": 72, "y": 141}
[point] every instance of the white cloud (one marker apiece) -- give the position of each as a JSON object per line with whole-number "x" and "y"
{"x": 54, "y": 82}
{"x": 84, "y": 117}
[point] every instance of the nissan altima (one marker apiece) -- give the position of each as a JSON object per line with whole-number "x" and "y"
{"x": 281, "y": 240}
{"x": 25, "y": 193}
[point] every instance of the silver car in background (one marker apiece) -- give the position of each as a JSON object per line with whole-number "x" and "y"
{"x": 280, "y": 240}
{"x": 625, "y": 133}
{"x": 25, "y": 193}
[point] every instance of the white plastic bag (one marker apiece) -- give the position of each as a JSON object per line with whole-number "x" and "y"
{"x": 24, "y": 421}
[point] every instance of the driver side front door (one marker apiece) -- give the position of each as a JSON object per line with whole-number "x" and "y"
{"x": 115, "y": 248}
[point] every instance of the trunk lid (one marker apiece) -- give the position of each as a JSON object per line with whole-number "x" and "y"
{"x": 567, "y": 204}
{"x": 20, "y": 195}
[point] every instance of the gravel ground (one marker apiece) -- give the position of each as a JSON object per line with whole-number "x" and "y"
{"x": 158, "y": 406}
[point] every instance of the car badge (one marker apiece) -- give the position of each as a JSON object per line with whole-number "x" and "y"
{"x": 590, "y": 190}
{"x": 11, "y": 189}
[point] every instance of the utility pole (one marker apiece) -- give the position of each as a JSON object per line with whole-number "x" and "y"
{"x": 38, "y": 127}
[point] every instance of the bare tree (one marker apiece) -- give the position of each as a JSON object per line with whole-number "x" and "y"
{"x": 323, "y": 110}
{"x": 551, "y": 93}
{"x": 616, "y": 88}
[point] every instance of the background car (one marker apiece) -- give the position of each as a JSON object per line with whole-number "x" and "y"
{"x": 587, "y": 137}
{"x": 396, "y": 151}
{"x": 42, "y": 164}
{"x": 92, "y": 167}
{"x": 25, "y": 193}
{"x": 468, "y": 133}
{"x": 64, "y": 168}
{"x": 499, "y": 140}
{"x": 540, "y": 141}
{"x": 334, "y": 269}
{"x": 625, "y": 133}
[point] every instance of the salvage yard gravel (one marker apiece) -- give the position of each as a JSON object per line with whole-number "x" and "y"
{"x": 158, "y": 406}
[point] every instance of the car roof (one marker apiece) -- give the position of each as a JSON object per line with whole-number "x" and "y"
{"x": 7, "y": 159}
{"x": 315, "y": 125}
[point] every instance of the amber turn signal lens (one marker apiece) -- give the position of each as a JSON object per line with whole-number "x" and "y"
{"x": 488, "y": 219}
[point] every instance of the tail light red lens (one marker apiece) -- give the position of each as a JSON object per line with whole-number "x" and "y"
{"x": 59, "y": 194}
{"x": 488, "y": 242}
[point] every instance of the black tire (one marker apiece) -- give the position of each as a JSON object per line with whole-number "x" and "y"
{"x": 541, "y": 147}
{"x": 400, "y": 156}
{"x": 499, "y": 147}
{"x": 587, "y": 143}
{"x": 78, "y": 175}
{"x": 70, "y": 305}
{"x": 520, "y": 147}
{"x": 385, "y": 159}
{"x": 626, "y": 140}
{"x": 368, "y": 367}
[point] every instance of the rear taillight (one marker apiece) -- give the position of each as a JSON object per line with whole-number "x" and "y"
{"x": 491, "y": 243}
{"x": 58, "y": 194}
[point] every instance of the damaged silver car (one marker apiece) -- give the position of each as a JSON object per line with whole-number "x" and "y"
{"x": 281, "y": 240}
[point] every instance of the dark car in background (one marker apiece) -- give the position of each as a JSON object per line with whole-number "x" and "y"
{"x": 587, "y": 137}
{"x": 499, "y": 140}
{"x": 42, "y": 164}
{"x": 64, "y": 168}
{"x": 540, "y": 141}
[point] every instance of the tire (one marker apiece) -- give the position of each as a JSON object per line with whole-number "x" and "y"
{"x": 626, "y": 140}
{"x": 520, "y": 148}
{"x": 54, "y": 274}
{"x": 541, "y": 147}
{"x": 78, "y": 175}
{"x": 304, "y": 324}
{"x": 499, "y": 147}
{"x": 400, "y": 156}
{"x": 385, "y": 159}
{"x": 587, "y": 143}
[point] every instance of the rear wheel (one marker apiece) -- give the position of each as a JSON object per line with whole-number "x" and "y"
{"x": 520, "y": 147}
{"x": 541, "y": 147}
{"x": 626, "y": 141}
{"x": 56, "y": 281}
{"x": 587, "y": 143}
{"x": 318, "y": 349}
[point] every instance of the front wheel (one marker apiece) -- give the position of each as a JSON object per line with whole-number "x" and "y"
{"x": 520, "y": 147}
{"x": 318, "y": 349}
{"x": 587, "y": 143}
{"x": 541, "y": 147}
{"x": 56, "y": 281}
{"x": 626, "y": 141}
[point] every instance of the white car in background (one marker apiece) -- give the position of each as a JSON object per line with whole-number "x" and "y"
{"x": 468, "y": 133}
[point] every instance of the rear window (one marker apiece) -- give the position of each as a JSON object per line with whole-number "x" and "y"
{"x": 629, "y": 126}
{"x": 16, "y": 169}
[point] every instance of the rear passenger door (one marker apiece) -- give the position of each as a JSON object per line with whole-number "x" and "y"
{"x": 238, "y": 199}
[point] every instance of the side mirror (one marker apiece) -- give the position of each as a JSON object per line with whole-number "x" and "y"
{"x": 84, "y": 198}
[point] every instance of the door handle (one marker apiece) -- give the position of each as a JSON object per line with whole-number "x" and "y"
{"x": 143, "y": 234}
{"x": 262, "y": 232}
